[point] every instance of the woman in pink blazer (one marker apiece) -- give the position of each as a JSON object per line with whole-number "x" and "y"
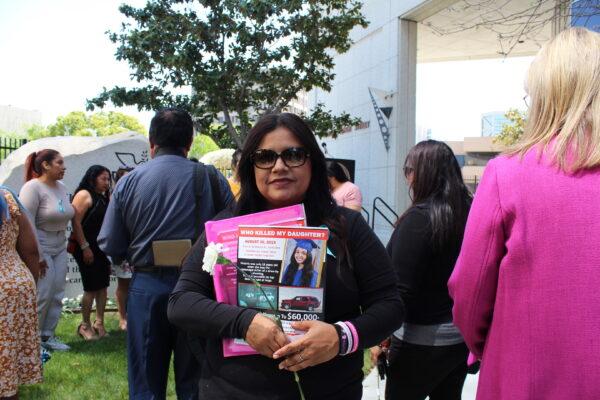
{"x": 526, "y": 286}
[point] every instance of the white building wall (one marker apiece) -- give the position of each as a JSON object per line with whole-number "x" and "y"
{"x": 374, "y": 62}
{"x": 17, "y": 120}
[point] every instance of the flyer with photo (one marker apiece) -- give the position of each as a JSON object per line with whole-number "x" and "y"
{"x": 225, "y": 232}
{"x": 288, "y": 263}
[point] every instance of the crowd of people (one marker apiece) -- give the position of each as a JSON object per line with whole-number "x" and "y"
{"x": 506, "y": 279}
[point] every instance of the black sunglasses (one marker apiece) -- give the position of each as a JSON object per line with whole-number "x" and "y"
{"x": 292, "y": 157}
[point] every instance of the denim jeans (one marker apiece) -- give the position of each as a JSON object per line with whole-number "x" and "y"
{"x": 151, "y": 339}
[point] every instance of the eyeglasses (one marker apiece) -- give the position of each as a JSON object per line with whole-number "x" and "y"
{"x": 292, "y": 157}
{"x": 408, "y": 171}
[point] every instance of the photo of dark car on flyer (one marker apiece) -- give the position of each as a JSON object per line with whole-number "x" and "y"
{"x": 300, "y": 299}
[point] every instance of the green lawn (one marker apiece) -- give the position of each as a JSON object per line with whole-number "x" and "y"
{"x": 91, "y": 370}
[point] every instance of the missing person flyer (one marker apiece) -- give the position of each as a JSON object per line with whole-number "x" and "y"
{"x": 288, "y": 263}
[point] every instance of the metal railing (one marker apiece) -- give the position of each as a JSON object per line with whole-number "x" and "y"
{"x": 368, "y": 216}
{"x": 378, "y": 210}
{"x": 8, "y": 145}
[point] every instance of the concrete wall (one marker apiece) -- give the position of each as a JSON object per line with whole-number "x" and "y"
{"x": 382, "y": 58}
{"x": 14, "y": 119}
{"x": 126, "y": 149}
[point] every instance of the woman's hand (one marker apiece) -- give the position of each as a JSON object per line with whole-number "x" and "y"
{"x": 319, "y": 344}
{"x": 88, "y": 256}
{"x": 43, "y": 266}
{"x": 375, "y": 353}
{"x": 265, "y": 336}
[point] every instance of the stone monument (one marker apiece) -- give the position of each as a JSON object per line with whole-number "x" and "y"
{"x": 115, "y": 151}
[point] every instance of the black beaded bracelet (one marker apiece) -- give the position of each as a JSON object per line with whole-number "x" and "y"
{"x": 343, "y": 339}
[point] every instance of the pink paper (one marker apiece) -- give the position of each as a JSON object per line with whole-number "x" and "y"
{"x": 225, "y": 231}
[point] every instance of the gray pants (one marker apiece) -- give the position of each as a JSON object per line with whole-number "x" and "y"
{"x": 51, "y": 288}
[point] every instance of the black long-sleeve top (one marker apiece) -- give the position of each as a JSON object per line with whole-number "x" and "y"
{"x": 367, "y": 296}
{"x": 423, "y": 271}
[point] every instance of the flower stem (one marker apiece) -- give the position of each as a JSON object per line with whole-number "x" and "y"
{"x": 297, "y": 379}
{"x": 278, "y": 321}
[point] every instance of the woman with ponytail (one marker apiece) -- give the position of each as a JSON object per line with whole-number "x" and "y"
{"x": 46, "y": 199}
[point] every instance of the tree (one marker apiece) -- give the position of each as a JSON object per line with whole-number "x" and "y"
{"x": 235, "y": 58}
{"x": 77, "y": 123}
{"x": 12, "y": 135}
{"x": 201, "y": 145}
{"x": 511, "y": 133}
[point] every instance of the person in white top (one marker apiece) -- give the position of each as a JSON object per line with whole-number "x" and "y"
{"x": 47, "y": 201}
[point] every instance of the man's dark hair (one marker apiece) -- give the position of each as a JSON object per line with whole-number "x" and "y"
{"x": 171, "y": 127}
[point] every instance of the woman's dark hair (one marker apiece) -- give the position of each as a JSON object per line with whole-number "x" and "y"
{"x": 121, "y": 172}
{"x": 318, "y": 202}
{"x": 335, "y": 170}
{"x": 437, "y": 182}
{"x": 33, "y": 162}
{"x": 235, "y": 158}
{"x": 319, "y": 205}
{"x": 307, "y": 270}
{"x": 88, "y": 182}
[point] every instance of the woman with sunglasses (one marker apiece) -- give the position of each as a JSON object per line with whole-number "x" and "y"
{"x": 428, "y": 355}
{"x": 282, "y": 165}
{"x": 46, "y": 199}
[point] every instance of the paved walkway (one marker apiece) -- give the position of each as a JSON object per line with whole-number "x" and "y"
{"x": 371, "y": 391}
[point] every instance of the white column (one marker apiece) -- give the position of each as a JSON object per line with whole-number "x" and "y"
{"x": 405, "y": 105}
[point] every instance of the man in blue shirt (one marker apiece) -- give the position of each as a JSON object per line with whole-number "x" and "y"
{"x": 168, "y": 198}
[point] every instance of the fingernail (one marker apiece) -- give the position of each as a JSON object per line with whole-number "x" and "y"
{"x": 275, "y": 356}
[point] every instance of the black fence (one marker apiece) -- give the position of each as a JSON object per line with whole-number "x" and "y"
{"x": 8, "y": 145}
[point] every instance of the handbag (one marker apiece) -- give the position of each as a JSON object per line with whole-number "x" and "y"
{"x": 72, "y": 243}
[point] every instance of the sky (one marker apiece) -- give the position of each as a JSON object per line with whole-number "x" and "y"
{"x": 451, "y": 96}
{"x": 55, "y": 54}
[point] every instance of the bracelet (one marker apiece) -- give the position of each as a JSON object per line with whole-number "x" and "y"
{"x": 354, "y": 334}
{"x": 84, "y": 246}
{"x": 345, "y": 337}
{"x": 342, "y": 338}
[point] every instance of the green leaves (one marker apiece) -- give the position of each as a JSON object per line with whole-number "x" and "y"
{"x": 324, "y": 124}
{"x": 511, "y": 133}
{"x": 233, "y": 58}
{"x": 77, "y": 123}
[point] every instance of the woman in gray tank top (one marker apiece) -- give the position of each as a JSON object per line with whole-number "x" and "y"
{"x": 47, "y": 201}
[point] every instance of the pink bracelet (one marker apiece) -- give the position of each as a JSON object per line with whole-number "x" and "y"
{"x": 354, "y": 336}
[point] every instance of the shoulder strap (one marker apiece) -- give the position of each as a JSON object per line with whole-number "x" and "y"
{"x": 215, "y": 189}
{"x": 218, "y": 204}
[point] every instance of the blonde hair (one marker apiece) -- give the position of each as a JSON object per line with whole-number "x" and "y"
{"x": 563, "y": 83}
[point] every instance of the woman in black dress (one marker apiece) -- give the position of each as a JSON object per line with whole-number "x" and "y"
{"x": 90, "y": 203}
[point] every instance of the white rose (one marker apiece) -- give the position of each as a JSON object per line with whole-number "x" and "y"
{"x": 211, "y": 255}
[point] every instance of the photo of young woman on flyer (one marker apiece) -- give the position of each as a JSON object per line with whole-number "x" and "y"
{"x": 301, "y": 271}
